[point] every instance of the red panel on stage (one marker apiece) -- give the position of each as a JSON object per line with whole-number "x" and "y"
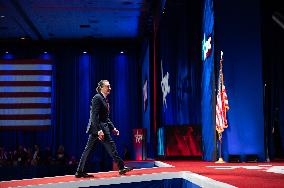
{"x": 183, "y": 141}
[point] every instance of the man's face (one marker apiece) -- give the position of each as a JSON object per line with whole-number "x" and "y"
{"x": 106, "y": 88}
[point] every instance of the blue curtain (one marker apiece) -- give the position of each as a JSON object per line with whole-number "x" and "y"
{"x": 79, "y": 87}
{"x": 207, "y": 85}
{"x": 144, "y": 91}
{"x": 179, "y": 57}
{"x": 75, "y": 78}
{"x": 242, "y": 68}
{"x": 178, "y": 68}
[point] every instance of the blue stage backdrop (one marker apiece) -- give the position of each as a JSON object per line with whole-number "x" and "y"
{"x": 76, "y": 77}
{"x": 146, "y": 98}
{"x": 178, "y": 66}
{"x": 104, "y": 63}
{"x": 208, "y": 83}
{"x": 238, "y": 34}
{"x": 178, "y": 78}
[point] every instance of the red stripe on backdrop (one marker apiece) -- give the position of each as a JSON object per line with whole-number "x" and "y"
{"x": 24, "y": 105}
{"x": 24, "y": 94}
{"x": 25, "y": 72}
{"x": 25, "y": 83}
{"x": 26, "y": 61}
{"x": 25, "y": 117}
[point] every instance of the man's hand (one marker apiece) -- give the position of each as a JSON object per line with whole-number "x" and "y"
{"x": 101, "y": 135}
{"x": 115, "y": 132}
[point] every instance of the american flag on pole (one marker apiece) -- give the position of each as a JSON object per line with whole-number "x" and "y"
{"x": 222, "y": 104}
{"x": 25, "y": 93}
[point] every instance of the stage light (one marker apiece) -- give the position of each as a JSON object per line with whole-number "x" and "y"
{"x": 7, "y": 55}
{"x": 84, "y": 52}
{"x": 122, "y": 52}
{"x": 45, "y": 52}
{"x": 2, "y": 16}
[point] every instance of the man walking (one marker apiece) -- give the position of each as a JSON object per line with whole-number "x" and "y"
{"x": 99, "y": 130}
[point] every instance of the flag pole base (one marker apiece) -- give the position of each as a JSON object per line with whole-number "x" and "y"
{"x": 220, "y": 160}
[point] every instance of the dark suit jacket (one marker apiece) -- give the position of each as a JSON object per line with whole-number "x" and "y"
{"x": 99, "y": 116}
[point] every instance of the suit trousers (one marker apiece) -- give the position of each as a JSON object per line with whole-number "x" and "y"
{"x": 109, "y": 145}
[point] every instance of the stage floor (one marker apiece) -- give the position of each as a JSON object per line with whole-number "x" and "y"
{"x": 197, "y": 173}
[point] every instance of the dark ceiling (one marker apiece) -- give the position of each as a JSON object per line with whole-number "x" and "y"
{"x": 73, "y": 19}
{"x": 98, "y": 19}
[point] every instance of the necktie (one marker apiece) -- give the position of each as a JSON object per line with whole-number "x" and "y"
{"x": 107, "y": 104}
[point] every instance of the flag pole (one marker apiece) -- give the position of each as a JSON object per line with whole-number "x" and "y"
{"x": 220, "y": 160}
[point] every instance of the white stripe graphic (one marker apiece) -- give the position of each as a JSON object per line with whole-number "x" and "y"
{"x": 24, "y": 122}
{"x": 25, "y": 111}
{"x": 25, "y": 100}
{"x": 26, "y": 89}
{"x": 25, "y": 78}
{"x": 162, "y": 164}
{"x": 196, "y": 180}
{"x": 25, "y": 67}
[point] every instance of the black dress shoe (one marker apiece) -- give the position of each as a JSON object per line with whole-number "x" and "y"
{"x": 83, "y": 175}
{"x": 124, "y": 170}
